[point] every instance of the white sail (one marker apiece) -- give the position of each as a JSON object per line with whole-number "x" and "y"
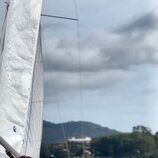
{"x": 20, "y": 99}
{"x": 33, "y": 133}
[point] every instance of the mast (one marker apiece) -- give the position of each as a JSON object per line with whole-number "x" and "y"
{"x": 21, "y": 99}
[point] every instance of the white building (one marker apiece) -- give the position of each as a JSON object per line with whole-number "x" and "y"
{"x": 80, "y": 140}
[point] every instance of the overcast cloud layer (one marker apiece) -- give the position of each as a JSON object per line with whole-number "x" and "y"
{"x": 118, "y": 64}
{"x": 107, "y": 57}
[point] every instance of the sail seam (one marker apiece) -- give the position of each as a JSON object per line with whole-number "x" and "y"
{"x": 30, "y": 98}
{"x": 12, "y": 89}
{"x": 31, "y": 102}
{"x": 31, "y": 106}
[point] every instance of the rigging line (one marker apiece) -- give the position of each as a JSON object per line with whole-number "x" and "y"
{"x": 63, "y": 129}
{"x": 3, "y": 29}
{"x": 5, "y": 17}
{"x": 29, "y": 120}
{"x": 2, "y": 38}
{"x": 33, "y": 95}
{"x": 59, "y": 17}
{"x": 80, "y": 77}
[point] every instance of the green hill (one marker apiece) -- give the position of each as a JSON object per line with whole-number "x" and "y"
{"x": 53, "y": 133}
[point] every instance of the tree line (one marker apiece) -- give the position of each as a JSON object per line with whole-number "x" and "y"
{"x": 141, "y": 143}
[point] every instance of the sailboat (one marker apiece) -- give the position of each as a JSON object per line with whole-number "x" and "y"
{"x": 21, "y": 81}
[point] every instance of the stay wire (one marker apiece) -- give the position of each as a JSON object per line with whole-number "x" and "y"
{"x": 63, "y": 129}
{"x": 59, "y": 112}
{"x": 80, "y": 76}
{"x": 5, "y": 18}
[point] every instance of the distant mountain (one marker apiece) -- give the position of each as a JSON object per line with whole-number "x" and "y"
{"x": 53, "y": 133}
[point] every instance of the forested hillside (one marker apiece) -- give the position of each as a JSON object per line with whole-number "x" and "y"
{"x": 53, "y": 133}
{"x": 140, "y": 143}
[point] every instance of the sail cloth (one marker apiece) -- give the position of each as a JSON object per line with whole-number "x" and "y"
{"x": 33, "y": 133}
{"x": 21, "y": 93}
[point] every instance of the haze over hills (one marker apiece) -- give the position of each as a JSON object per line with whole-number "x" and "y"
{"x": 53, "y": 133}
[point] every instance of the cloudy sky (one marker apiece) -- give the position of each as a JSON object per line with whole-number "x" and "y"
{"x": 117, "y": 65}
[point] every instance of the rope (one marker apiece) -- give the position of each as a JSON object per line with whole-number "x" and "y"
{"x": 2, "y": 37}
{"x": 63, "y": 130}
{"x": 62, "y": 125}
{"x": 4, "y": 19}
{"x": 80, "y": 77}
